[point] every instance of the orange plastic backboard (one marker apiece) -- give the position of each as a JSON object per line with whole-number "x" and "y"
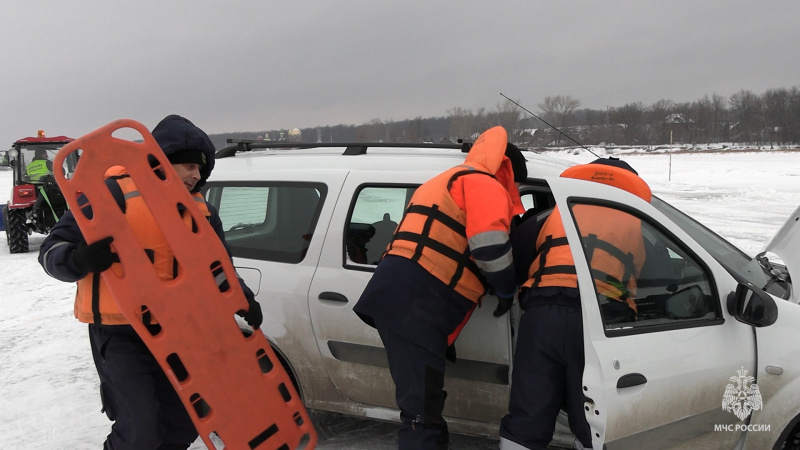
{"x": 232, "y": 385}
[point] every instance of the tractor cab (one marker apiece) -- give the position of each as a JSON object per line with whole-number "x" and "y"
{"x": 36, "y": 202}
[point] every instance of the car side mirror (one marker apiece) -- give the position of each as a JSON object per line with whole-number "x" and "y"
{"x": 752, "y": 306}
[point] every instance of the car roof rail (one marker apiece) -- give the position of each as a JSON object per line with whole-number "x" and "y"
{"x": 359, "y": 148}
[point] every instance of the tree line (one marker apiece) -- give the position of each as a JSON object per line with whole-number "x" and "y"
{"x": 772, "y": 117}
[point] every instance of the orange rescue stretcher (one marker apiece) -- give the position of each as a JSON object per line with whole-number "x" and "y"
{"x": 232, "y": 385}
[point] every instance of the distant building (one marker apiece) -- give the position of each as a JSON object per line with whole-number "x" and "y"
{"x": 295, "y": 135}
{"x": 677, "y": 129}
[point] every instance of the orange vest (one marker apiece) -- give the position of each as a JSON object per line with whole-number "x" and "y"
{"x": 433, "y": 234}
{"x": 93, "y": 300}
{"x": 615, "y": 252}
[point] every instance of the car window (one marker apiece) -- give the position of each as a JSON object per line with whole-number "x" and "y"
{"x": 375, "y": 213}
{"x": 633, "y": 261}
{"x": 536, "y": 200}
{"x": 735, "y": 261}
{"x": 270, "y": 222}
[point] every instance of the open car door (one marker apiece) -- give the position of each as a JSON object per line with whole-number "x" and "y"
{"x": 660, "y": 379}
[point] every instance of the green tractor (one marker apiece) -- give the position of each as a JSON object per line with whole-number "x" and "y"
{"x": 36, "y": 201}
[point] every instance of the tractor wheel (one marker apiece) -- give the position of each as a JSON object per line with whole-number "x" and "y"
{"x": 16, "y": 231}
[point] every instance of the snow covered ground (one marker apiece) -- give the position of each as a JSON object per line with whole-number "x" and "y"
{"x": 49, "y": 396}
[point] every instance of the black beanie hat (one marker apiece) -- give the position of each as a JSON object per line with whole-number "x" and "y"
{"x": 188, "y": 155}
{"x": 616, "y": 162}
{"x": 182, "y": 141}
{"x": 517, "y": 163}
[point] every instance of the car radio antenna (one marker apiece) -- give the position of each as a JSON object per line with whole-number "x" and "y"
{"x": 534, "y": 115}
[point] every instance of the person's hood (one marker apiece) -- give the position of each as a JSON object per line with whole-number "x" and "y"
{"x": 488, "y": 153}
{"x": 786, "y": 243}
{"x": 175, "y": 134}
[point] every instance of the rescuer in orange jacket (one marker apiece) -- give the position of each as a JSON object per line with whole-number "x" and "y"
{"x": 451, "y": 246}
{"x": 135, "y": 392}
{"x": 549, "y": 358}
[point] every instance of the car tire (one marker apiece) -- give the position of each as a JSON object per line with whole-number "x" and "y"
{"x": 289, "y": 371}
{"x": 790, "y": 438}
{"x": 284, "y": 363}
{"x": 16, "y": 231}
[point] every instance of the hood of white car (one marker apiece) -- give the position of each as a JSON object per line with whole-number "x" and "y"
{"x": 786, "y": 245}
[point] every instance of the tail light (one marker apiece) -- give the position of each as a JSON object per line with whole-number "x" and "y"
{"x": 26, "y": 192}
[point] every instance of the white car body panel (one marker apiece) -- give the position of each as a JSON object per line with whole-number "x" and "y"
{"x": 778, "y": 376}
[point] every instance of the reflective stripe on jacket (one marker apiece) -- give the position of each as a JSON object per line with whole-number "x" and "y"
{"x": 93, "y": 300}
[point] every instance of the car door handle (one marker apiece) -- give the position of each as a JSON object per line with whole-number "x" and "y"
{"x": 630, "y": 380}
{"x": 333, "y": 296}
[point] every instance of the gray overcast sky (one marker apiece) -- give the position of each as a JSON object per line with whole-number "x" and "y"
{"x": 69, "y": 67}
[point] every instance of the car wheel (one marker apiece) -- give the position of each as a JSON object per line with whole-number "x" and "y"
{"x": 790, "y": 440}
{"x": 284, "y": 363}
{"x": 16, "y": 231}
{"x": 288, "y": 369}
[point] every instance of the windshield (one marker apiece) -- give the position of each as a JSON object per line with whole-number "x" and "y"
{"x": 36, "y": 161}
{"x": 732, "y": 259}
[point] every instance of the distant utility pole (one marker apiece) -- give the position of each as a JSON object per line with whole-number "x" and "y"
{"x": 669, "y": 175}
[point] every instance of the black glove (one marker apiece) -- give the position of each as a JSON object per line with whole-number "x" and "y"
{"x": 450, "y": 353}
{"x": 503, "y": 305}
{"x": 253, "y": 316}
{"x": 95, "y": 257}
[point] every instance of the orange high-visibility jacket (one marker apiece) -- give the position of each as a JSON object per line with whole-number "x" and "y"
{"x": 433, "y": 233}
{"x": 613, "y": 240}
{"x": 93, "y": 300}
{"x": 435, "y": 230}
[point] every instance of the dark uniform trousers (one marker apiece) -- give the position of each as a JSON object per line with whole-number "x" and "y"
{"x": 418, "y": 375}
{"x": 548, "y": 369}
{"x": 414, "y": 312}
{"x": 136, "y": 394}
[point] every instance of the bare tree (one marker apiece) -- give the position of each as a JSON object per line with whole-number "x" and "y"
{"x": 415, "y": 130}
{"x": 508, "y": 116}
{"x": 702, "y": 117}
{"x": 373, "y": 131}
{"x": 655, "y": 116}
{"x": 631, "y": 120}
{"x": 559, "y": 111}
{"x": 463, "y": 123}
{"x": 720, "y": 128}
{"x": 793, "y": 134}
{"x": 744, "y": 116}
{"x": 776, "y": 113}
{"x": 746, "y": 108}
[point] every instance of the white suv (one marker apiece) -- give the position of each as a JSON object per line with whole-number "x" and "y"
{"x": 307, "y": 226}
